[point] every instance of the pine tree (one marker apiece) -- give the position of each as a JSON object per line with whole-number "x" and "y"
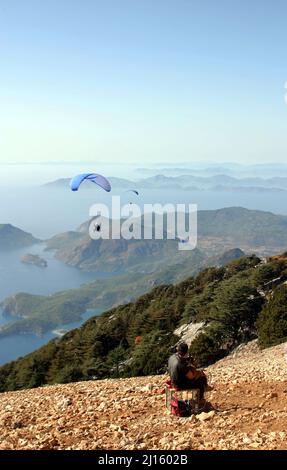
{"x": 272, "y": 321}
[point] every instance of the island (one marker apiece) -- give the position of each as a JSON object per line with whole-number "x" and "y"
{"x": 36, "y": 260}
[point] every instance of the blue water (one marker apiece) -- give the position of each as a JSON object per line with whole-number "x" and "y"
{"x": 18, "y": 277}
{"x": 16, "y": 346}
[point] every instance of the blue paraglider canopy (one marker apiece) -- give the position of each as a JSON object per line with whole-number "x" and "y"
{"x": 95, "y": 178}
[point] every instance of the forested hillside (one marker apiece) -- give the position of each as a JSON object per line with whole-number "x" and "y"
{"x": 237, "y": 303}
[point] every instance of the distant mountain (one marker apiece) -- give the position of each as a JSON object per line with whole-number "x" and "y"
{"x": 64, "y": 183}
{"x": 190, "y": 182}
{"x": 218, "y": 181}
{"x": 219, "y": 230}
{"x": 177, "y": 171}
{"x": 60, "y": 183}
{"x": 114, "y": 255}
{"x": 244, "y": 228}
{"x": 209, "y": 169}
{"x": 240, "y": 189}
{"x": 12, "y": 238}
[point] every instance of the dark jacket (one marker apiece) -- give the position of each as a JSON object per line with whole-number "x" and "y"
{"x": 177, "y": 369}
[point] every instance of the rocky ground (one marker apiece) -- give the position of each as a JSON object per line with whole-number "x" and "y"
{"x": 249, "y": 411}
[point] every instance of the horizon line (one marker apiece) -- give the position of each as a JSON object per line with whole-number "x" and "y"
{"x": 168, "y": 164}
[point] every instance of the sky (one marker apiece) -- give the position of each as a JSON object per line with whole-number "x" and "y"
{"x": 135, "y": 81}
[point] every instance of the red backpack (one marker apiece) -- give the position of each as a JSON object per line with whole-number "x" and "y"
{"x": 180, "y": 407}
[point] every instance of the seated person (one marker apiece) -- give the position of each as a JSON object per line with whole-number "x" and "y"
{"x": 183, "y": 373}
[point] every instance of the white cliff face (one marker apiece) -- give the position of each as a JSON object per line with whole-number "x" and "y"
{"x": 189, "y": 331}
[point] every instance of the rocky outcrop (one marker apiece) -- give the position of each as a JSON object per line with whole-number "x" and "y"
{"x": 188, "y": 332}
{"x": 249, "y": 403}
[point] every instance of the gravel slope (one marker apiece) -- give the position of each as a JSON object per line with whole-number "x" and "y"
{"x": 249, "y": 411}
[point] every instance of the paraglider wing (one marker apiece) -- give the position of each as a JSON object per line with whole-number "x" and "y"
{"x": 100, "y": 180}
{"x": 133, "y": 191}
{"x": 95, "y": 178}
{"x": 77, "y": 180}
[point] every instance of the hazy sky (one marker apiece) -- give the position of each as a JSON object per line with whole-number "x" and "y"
{"x": 143, "y": 80}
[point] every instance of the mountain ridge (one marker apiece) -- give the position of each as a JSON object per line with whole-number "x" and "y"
{"x": 189, "y": 181}
{"x": 260, "y": 232}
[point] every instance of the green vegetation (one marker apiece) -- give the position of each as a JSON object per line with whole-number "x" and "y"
{"x": 141, "y": 256}
{"x": 272, "y": 322}
{"x": 44, "y": 313}
{"x": 137, "y": 338}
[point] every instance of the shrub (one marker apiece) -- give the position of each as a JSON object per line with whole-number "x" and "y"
{"x": 272, "y": 321}
{"x": 207, "y": 348}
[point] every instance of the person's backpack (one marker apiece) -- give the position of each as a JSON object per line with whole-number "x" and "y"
{"x": 180, "y": 407}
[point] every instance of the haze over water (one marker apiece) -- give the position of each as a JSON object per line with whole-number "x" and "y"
{"x": 45, "y": 212}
